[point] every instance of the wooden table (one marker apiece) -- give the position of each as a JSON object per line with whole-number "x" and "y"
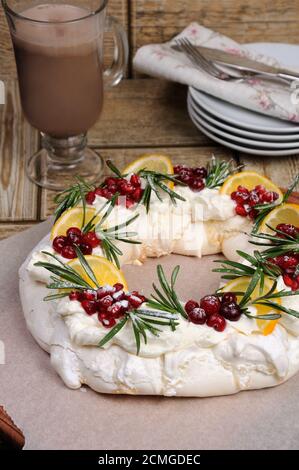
{"x": 142, "y": 114}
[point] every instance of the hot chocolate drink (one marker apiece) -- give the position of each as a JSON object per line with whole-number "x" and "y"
{"x": 59, "y": 68}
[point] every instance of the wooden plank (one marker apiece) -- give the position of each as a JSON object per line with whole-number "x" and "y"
{"x": 145, "y": 112}
{"x": 116, "y": 8}
{"x": 18, "y": 196}
{"x": 281, "y": 170}
{"x": 121, "y": 157}
{"x": 267, "y": 20}
{"x": 8, "y": 230}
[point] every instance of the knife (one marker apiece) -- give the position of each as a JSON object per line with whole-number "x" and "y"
{"x": 246, "y": 64}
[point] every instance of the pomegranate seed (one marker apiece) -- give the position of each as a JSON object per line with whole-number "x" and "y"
{"x": 74, "y": 230}
{"x": 105, "y": 302}
{"x": 68, "y": 252}
{"x": 177, "y": 169}
{"x": 288, "y": 229}
{"x": 103, "y": 291}
{"x": 240, "y": 210}
{"x": 200, "y": 172}
{"x": 89, "y": 306}
{"x": 74, "y": 236}
{"x": 253, "y": 213}
{"x": 253, "y": 199}
{"x": 295, "y": 285}
{"x": 115, "y": 309}
{"x": 110, "y": 181}
{"x": 240, "y": 197}
{"x": 135, "y": 181}
{"x": 90, "y": 197}
{"x": 86, "y": 248}
{"x": 59, "y": 243}
{"x": 287, "y": 280}
{"x": 108, "y": 322}
{"x": 190, "y": 305}
{"x": 197, "y": 184}
{"x": 242, "y": 189}
{"x": 92, "y": 239}
{"x": 187, "y": 179}
{"x": 119, "y": 295}
{"x": 106, "y": 193}
{"x": 229, "y": 297}
{"x": 197, "y": 316}
{"x": 118, "y": 286}
{"x": 99, "y": 192}
{"x": 211, "y": 304}
{"x": 231, "y": 311}
{"x": 134, "y": 300}
{"x": 74, "y": 295}
{"x": 260, "y": 189}
{"x": 217, "y": 322}
{"x": 89, "y": 295}
{"x": 129, "y": 202}
{"x": 137, "y": 194}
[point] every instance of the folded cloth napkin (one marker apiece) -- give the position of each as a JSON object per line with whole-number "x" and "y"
{"x": 264, "y": 96}
{"x": 9, "y": 432}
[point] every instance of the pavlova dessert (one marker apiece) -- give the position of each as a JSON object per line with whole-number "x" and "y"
{"x": 101, "y": 333}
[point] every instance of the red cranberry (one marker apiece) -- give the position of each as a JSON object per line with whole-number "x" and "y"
{"x": 68, "y": 252}
{"x": 229, "y": 297}
{"x": 288, "y": 229}
{"x": 253, "y": 213}
{"x": 240, "y": 197}
{"x": 89, "y": 306}
{"x": 99, "y": 192}
{"x": 200, "y": 172}
{"x": 217, "y": 322}
{"x": 287, "y": 280}
{"x": 105, "y": 302}
{"x": 190, "y": 305}
{"x": 242, "y": 189}
{"x": 240, "y": 210}
{"x": 110, "y": 181}
{"x": 197, "y": 184}
{"x": 115, "y": 309}
{"x": 231, "y": 311}
{"x": 177, "y": 169}
{"x": 105, "y": 290}
{"x": 74, "y": 295}
{"x": 86, "y": 248}
{"x": 92, "y": 239}
{"x": 260, "y": 189}
{"x": 210, "y": 304}
{"x": 106, "y": 193}
{"x": 90, "y": 197}
{"x": 135, "y": 181}
{"x": 59, "y": 243}
{"x": 198, "y": 316}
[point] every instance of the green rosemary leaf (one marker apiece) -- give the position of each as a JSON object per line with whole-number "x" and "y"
{"x": 55, "y": 296}
{"x": 114, "y": 331}
{"x": 279, "y": 307}
{"x": 86, "y": 266}
{"x": 137, "y": 335}
{"x": 291, "y": 188}
{"x": 270, "y": 316}
{"x": 174, "y": 276}
{"x": 151, "y": 313}
{"x": 114, "y": 169}
{"x": 251, "y": 286}
{"x": 218, "y": 172}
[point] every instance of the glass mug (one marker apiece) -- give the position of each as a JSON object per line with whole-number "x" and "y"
{"x": 58, "y": 48}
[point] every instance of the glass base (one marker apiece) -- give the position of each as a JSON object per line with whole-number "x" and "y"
{"x": 60, "y": 161}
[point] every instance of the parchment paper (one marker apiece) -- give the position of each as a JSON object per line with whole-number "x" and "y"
{"x": 54, "y": 417}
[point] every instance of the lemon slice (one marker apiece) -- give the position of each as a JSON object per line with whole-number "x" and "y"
{"x": 105, "y": 271}
{"x": 153, "y": 162}
{"x": 72, "y": 218}
{"x": 283, "y": 214}
{"x": 249, "y": 179}
{"x": 240, "y": 285}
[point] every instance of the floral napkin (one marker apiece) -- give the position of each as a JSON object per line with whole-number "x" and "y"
{"x": 264, "y": 96}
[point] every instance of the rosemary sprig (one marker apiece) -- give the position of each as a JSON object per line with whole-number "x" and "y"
{"x": 165, "y": 299}
{"x": 276, "y": 246}
{"x": 108, "y": 235}
{"x": 66, "y": 278}
{"x": 71, "y": 196}
{"x": 265, "y": 209}
{"x": 218, "y": 171}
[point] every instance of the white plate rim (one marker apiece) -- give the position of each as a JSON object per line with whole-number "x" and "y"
{"x": 273, "y": 153}
{"x": 255, "y": 143}
{"x": 235, "y": 130}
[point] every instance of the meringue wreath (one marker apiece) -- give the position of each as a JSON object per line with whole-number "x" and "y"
{"x": 99, "y": 332}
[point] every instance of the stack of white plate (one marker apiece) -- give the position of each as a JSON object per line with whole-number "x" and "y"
{"x": 241, "y": 129}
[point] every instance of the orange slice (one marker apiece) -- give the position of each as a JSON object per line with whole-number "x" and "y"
{"x": 105, "y": 271}
{"x": 284, "y": 214}
{"x": 240, "y": 285}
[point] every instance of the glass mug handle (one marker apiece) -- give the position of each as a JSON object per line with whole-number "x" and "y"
{"x": 114, "y": 74}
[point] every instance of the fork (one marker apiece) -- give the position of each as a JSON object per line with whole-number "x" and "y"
{"x": 198, "y": 59}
